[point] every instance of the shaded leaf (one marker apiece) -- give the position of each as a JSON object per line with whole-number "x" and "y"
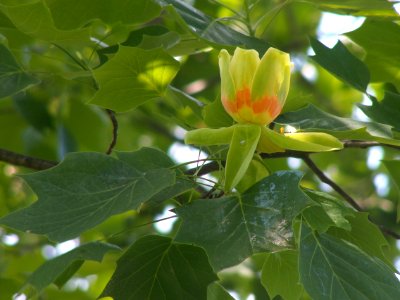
{"x": 132, "y": 77}
{"x": 330, "y": 212}
{"x": 393, "y": 167}
{"x": 333, "y": 269}
{"x": 365, "y": 235}
{"x": 13, "y": 78}
{"x": 233, "y": 228}
{"x": 211, "y": 30}
{"x": 381, "y": 41}
{"x": 83, "y": 191}
{"x": 341, "y": 63}
{"x": 311, "y": 118}
{"x": 280, "y": 275}
{"x": 155, "y": 267}
{"x": 216, "y": 292}
{"x": 147, "y": 159}
{"x": 215, "y": 115}
{"x": 34, "y": 19}
{"x": 386, "y": 111}
{"x": 73, "y": 14}
{"x": 58, "y": 270}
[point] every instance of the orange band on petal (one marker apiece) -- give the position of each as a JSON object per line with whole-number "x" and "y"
{"x": 268, "y": 104}
{"x": 243, "y": 98}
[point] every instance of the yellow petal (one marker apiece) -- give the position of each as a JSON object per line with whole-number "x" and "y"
{"x": 243, "y": 67}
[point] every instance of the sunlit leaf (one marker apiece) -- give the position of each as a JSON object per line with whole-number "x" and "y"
{"x": 311, "y": 118}
{"x": 371, "y": 8}
{"x": 132, "y": 77}
{"x": 83, "y": 191}
{"x": 333, "y": 269}
{"x": 241, "y": 150}
{"x": 232, "y": 228}
{"x": 301, "y": 141}
{"x": 280, "y": 275}
{"x": 155, "y": 267}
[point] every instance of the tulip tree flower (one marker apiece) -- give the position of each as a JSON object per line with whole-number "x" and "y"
{"x": 253, "y": 92}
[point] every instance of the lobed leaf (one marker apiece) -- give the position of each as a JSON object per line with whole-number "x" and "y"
{"x": 341, "y": 63}
{"x": 333, "y": 269}
{"x": 381, "y": 41}
{"x": 280, "y": 275}
{"x": 386, "y": 111}
{"x": 13, "y": 78}
{"x": 132, "y": 77}
{"x": 310, "y": 118}
{"x": 232, "y": 228}
{"x": 34, "y": 18}
{"x": 83, "y": 191}
{"x": 59, "y": 269}
{"x": 156, "y": 267}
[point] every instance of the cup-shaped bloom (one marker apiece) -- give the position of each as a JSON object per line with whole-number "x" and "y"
{"x": 253, "y": 90}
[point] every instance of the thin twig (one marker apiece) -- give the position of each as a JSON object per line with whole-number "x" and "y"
{"x": 114, "y": 122}
{"x": 25, "y": 160}
{"x": 321, "y": 175}
{"x": 317, "y": 171}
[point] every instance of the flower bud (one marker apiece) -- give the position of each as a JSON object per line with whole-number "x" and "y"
{"x": 253, "y": 90}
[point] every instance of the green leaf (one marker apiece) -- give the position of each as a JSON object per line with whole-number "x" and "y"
{"x": 233, "y": 228}
{"x": 34, "y": 18}
{"x": 13, "y": 78}
{"x": 210, "y": 136}
{"x": 393, "y": 167}
{"x": 381, "y": 41}
{"x": 280, "y": 275}
{"x": 83, "y": 191}
{"x": 213, "y": 31}
{"x": 215, "y": 115}
{"x": 301, "y": 141}
{"x": 341, "y": 63}
{"x": 386, "y": 111}
{"x": 72, "y": 14}
{"x": 311, "y": 118}
{"x": 147, "y": 159}
{"x": 58, "y": 270}
{"x": 329, "y": 212}
{"x": 241, "y": 150}
{"x": 365, "y": 235}
{"x": 333, "y": 269}
{"x": 216, "y": 292}
{"x": 155, "y": 267}
{"x": 373, "y": 8}
{"x": 132, "y": 77}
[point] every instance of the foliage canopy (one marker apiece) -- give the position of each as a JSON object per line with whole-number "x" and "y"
{"x": 97, "y": 99}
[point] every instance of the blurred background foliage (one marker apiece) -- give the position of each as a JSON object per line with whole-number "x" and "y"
{"x": 54, "y": 118}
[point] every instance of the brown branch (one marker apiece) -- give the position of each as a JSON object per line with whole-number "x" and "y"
{"x": 114, "y": 122}
{"x": 25, "y": 160}
{"x": 321, "y": 175}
